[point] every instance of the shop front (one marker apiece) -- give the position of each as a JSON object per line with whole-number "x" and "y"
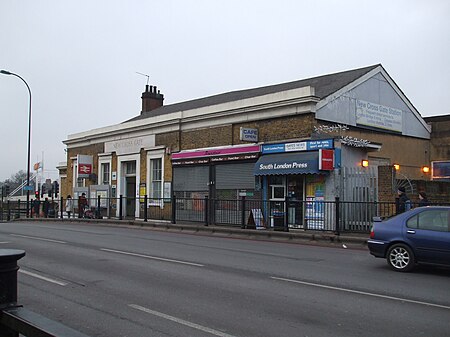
{"x": 214, "y": 172}
{"x": 293, "y": 179}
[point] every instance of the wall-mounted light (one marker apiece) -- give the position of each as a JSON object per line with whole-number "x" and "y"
{"x": 364, "y": 163}
{"x": 396, "y": 167}
{"x": 425, "y": 169}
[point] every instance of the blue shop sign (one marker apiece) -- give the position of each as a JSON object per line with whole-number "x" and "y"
{"x": 308, "y": 145}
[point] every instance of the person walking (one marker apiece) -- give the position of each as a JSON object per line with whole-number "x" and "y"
{"x": 69, "y": 205}
{"x": 404, "y": 204}
{"x": 423, "y": 199}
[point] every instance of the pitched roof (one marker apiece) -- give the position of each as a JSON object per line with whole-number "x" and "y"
{"x": 324, "y": 86}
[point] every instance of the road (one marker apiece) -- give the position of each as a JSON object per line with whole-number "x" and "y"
{"x": 115, "y": 281}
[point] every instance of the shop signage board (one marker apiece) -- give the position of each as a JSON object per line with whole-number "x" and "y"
{"x": 378, "y": 116}
{"x": 308, "y": 145}
{"x": 84, "y": 163}
{"x": 288, "y": 163}
{"x": 129, "y": 145}
{"x": 214, "y": 152}
{"x": 326, "y": 159}
{"x": 440, "y": 170}
{"x": 256, "y": 219}
{"x": 248, "y": 135}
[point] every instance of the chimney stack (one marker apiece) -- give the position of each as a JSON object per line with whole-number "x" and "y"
{"x": 151, "y": 98}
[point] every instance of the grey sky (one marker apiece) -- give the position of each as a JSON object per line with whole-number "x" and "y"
{"x": 80, "y": 58}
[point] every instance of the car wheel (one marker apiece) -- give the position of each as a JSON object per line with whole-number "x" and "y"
{"x": 400, "y": 257}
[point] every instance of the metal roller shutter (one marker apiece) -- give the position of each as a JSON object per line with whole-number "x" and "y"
{"x": 192, "y": 179}
{"x": 235, "y": 176}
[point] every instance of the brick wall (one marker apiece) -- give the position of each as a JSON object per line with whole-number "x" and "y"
{"x": 93, "y": 150}
{"x": 385, "y": 180}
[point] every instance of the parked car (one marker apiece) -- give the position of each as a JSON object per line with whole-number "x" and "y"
{"x": 421, "y": 235}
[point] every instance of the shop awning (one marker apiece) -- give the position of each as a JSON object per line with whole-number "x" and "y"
{"x": 288, "y": 163}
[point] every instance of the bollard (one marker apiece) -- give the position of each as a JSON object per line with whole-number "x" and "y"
{"x": 99, "y": 212}
{"x": 8, "y": 276}
{"x": 121, "y": 207}
{"x": 338, "y": 215}
{"x": 18, "y": 209}
{"x": 8, "y": 215}
{"x": 243, "y": 212}
{"x": 173, "y": 216}
{"x": 206, "y": 211}
{"x": 145, "y": 208}
{"x": 61, "y": 207}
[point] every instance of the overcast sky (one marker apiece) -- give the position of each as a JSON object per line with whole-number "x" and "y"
{"x": 80, "y": 57}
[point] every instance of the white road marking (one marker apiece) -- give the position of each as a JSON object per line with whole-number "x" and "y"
{"x": 152, "y": 257}
{"x": 361, "y": 292}
{"x": 36, "y": 238}
{"x": 4, "y": 242}
{"x": 42, "y": 277}
{"x": 181, "y": 321}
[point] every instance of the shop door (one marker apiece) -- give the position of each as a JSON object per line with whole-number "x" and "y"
{"x": 295, "y": 200}
{"x": 130, "y": 209}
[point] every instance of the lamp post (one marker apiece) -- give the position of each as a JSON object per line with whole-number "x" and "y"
{"x": 5, "y": 72}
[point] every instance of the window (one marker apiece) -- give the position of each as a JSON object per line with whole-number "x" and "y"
{"x": 156, "y": 178}
{"x": 130, "y": 167}
{"x": 105, "y": 173}
{"x": 434, "y": 220}
{"x": 277, "y": 187}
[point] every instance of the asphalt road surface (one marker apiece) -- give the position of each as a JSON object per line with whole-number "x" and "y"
{"x": 114, "y": 281}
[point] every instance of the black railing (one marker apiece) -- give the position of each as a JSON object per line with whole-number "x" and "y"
{"x": 336, "y": 215}
{"x": 14, "y": 318}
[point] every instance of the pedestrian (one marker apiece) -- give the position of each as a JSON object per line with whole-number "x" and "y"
{"x": 82, "y": 203}
{"x": 69, "y": 205}
{"x": 404, "y": 204}
{"x": 45, "y": 207}
{"x": 36, "y": 207}
{"x": 423, "y": 199}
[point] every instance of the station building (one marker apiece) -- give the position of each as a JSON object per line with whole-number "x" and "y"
{"x": 310, "y": 139}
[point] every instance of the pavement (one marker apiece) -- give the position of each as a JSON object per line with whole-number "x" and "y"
{"x": 298, "y": 236}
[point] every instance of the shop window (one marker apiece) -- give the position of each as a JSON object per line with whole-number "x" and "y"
{"x": 277, "y": 187}
{"x": 156, "y": 178}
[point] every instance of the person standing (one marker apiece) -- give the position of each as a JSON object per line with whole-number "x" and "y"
{"x": 45, "y": 207}
{"x": 404, "y": 204}
{"x": 423, "y": 199}
{"x": 69, "y": 205}
{"x": 36, "y": 207}
{"x": 82, "y": 203}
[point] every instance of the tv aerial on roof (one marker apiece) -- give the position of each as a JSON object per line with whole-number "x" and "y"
{"x": 148, "y": 77}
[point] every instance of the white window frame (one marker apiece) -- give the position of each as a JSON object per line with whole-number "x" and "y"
{"x": 101, "y": 161}
{"x": 155, "y": 154}
{"x": 75, "y": 174}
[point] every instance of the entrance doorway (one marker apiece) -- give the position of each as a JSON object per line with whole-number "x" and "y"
{"x": 129, "y": 188}
{"x": 296, "y": 196}
{"x": 130, "y": 193}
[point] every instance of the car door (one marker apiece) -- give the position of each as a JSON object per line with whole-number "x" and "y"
{"x": 429, "y": 235}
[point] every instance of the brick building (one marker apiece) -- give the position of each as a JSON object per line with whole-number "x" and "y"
{"x": 305, "y": 139}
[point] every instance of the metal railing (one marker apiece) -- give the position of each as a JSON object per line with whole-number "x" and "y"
{"x": 14, "y": 318}
{"x": 320, "y": 215}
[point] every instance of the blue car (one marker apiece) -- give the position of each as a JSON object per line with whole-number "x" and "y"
{"x": 421, "y": 235}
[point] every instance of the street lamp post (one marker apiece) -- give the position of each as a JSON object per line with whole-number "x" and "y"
{"x": 5, "y": 72}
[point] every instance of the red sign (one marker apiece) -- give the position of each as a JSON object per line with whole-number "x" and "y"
{"x": 84, "y": 169}
{"x": 326, "y": 159}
